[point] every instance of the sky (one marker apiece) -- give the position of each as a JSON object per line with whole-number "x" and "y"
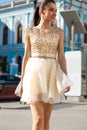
{"x": 4, "y": 1}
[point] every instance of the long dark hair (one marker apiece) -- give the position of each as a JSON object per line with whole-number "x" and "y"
{"x": 36, "y": 18}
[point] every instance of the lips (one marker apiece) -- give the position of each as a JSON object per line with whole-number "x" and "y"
{"x": 53, "y": 17}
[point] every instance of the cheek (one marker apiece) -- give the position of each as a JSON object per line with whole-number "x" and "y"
{"x": 47, "y": 15}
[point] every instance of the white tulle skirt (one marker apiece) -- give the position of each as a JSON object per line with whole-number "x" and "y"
{"x": 43, "y": 81}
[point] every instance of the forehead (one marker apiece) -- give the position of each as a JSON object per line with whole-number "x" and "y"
{"x": 51, "y": 5}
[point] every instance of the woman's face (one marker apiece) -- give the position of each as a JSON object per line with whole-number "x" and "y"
{"x": 50, "y": 12}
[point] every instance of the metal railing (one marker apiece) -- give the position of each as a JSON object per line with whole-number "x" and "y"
{"x": 12, "y": 46}
{"x": 76, "y": 45}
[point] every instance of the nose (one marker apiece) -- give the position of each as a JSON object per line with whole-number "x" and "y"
{"x": 54, "y": 14}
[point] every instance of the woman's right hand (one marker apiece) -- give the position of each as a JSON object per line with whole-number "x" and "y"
{"x": 67, "y": 89}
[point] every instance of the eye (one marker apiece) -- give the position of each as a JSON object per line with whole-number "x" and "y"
{"x": 52, "y": 10}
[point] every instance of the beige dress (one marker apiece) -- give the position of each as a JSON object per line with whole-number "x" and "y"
{"x": 43, "y": 79}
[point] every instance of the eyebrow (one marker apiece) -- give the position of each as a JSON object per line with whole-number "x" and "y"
{"x": 51, "y": 8}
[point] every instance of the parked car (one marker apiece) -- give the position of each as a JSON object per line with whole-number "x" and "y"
{"x": 8, "y": 84}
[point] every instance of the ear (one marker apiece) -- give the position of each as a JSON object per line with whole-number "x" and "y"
{"x": 41, "y": 11}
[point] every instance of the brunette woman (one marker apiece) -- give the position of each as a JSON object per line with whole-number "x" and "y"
{"x": 41, "y": 84}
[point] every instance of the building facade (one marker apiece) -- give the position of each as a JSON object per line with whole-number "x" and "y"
{"x": 16, "y": 16}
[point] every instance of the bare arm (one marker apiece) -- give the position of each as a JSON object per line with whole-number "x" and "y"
{"x": 26, "y": 53}
{"x": 61, "y": 56}
{"x": 25, "y": 59}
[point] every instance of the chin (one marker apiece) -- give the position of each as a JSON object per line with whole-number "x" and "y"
{"x": 53, "y": 21}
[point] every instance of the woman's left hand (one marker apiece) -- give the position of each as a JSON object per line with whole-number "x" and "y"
{"x": 67, "y": 89}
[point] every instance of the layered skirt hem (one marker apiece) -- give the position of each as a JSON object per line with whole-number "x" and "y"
{"x": 43, "y": 81}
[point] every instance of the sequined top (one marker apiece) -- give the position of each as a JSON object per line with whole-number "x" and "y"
{"x": 44, "y": 42}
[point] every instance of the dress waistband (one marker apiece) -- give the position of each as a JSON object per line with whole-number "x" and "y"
{"x": 47, "y": 57}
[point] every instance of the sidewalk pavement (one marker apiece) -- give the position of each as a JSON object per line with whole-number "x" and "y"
{"x": 65, "y": 116}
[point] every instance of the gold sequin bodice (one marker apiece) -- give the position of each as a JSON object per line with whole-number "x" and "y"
{"x": 44, "y": 43}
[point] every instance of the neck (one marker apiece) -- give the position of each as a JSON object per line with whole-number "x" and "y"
{"x": 44, "y": 24}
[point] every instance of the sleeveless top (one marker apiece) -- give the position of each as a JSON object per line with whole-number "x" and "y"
{"x": 44, "y": 42}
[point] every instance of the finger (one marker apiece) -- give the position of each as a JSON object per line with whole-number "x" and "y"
{"x": 67, "y": 90}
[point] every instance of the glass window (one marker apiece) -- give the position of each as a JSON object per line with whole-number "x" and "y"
{"x": 19, "y": 33}
{"x": 85, "y": 35}
{"x": 5, "y": 35}
{"x": 19, "y": 62}
{"x": 10, "y": 78}
{"x": 2, "y": 78}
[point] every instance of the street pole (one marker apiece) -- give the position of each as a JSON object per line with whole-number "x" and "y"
{"x": 72, "y": 35}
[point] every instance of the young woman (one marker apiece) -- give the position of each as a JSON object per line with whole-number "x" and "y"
{"x": 40, "y": 65}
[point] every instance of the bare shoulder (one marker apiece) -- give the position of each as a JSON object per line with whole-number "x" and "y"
{"x": 28, "y": 30}
{"x": 58, "y": 30}
{"x": 27, "y": 35}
